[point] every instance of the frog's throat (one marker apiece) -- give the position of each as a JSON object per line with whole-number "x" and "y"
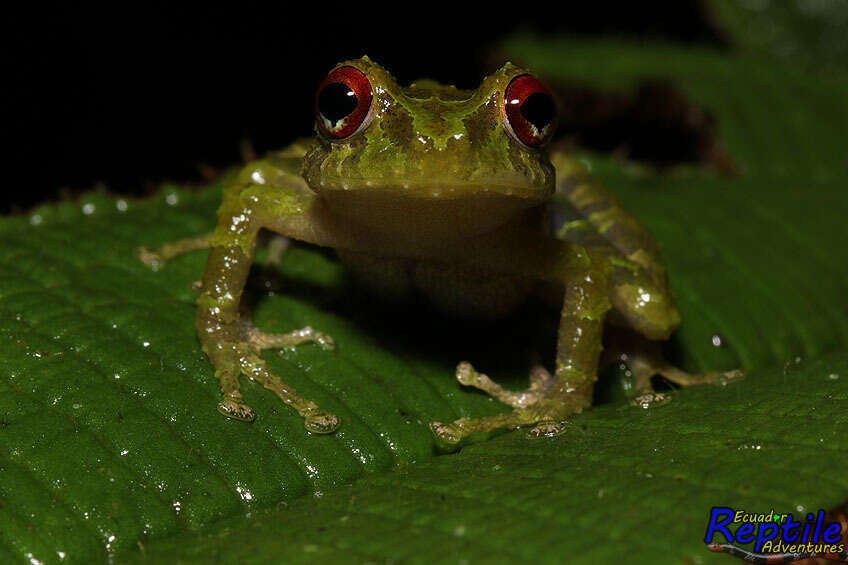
{"x": 432, "y": 213}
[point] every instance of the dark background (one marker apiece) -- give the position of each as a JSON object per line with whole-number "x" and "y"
{"x": 128, "y": 99}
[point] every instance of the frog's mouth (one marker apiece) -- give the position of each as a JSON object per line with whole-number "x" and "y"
{"x": 431, "y": 209}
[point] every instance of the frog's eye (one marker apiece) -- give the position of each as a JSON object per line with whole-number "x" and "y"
{"x": 342, "y": 102}
{"x": 529, "y": 110}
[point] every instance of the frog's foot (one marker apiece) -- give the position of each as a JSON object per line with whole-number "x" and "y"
{"x": 155, "y": 258}
{"x": 544, "y": 406}
{"x": 646, "y": 366}
{"x": 250, "y": 363}
{"x": 246, "y": 356}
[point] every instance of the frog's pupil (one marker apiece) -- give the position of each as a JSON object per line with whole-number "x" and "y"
{"x": 336, "y": 101}
{"x": 538, "y": 109}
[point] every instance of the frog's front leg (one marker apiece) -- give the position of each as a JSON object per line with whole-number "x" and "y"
{"x": 234, "y": 346}
{"x": 550, "y": 399}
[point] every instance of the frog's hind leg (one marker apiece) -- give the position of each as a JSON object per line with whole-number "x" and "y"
{"x": 595, "y": 207}
{"x": 638, "y": 286}
{"x": 645, "y": 360}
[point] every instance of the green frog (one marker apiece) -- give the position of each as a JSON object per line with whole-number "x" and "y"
{"x": 429, "y": 189}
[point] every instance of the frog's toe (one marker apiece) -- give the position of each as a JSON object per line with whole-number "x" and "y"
{"x": 448, "y": 433}
{"x": 321, "y": 422}
{"x": 149, "y": 257}
{"x": 730, "y": 375}
{"x": 237, "y": 410}
{"x": 548, "y": 428}
{"x": 651, "y": 399}
{"x": 261, "y": 340}
{"x": 324, "y": 340}
{"x": 462, "y": 428}
{"x": 465, "y": 374}
{"x": 253, "y": 366}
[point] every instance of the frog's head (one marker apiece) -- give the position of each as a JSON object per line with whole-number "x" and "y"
{"x": 429, "y": 158}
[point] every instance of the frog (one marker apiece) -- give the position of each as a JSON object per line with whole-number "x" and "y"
{"x": 431, "y": 190}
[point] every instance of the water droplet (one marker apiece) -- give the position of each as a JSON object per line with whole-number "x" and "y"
{"x": 753, "y": 446}
{"x": 717, "y": 340}
{"x": 244, "y": 493}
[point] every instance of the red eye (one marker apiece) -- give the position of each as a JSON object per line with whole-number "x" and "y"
{"x": 342, "y": 102}
{"x": 530, "y": 110}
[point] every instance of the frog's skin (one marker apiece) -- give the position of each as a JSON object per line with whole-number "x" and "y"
{"x": 436, "y": 195}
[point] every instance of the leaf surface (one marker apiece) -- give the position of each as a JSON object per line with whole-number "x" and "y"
{"x": 109, "y": 439}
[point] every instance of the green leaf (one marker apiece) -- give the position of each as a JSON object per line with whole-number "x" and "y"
{"x": 623, "y": 481}
{"x": 109, "y": 437}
